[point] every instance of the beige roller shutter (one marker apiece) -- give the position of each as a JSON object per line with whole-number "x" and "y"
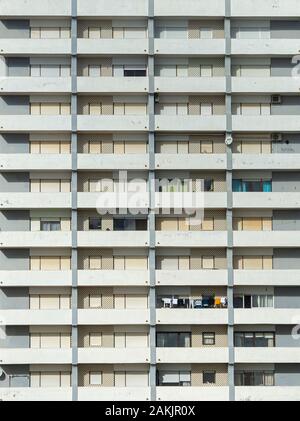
{"x": 65, "y": 263}
{"x": 208, "y": 262}
{"x": 119, "y": 379}
{"x": 119, "y": 148}
{"x": 65, "y": 302}
{"x": 267, "y": 224}
{"x": 35, "y": 109}
{"x": 50, "y": 263}
{"x": 50, "y": 147}
{"x": 35, "y": 379}
{"x": 50, "y": 108}
{"x": 136, "y": 340}
{"x": 49, "y": 33}
{"x": 95, "y": 339}
{"x": 252, "y": 224}
{"x": 252, "y": 262}
{"x": 65, "y": 224}
{"x": 267, "y": 262}
{"x": 136, "y": 301}
{"x": 65, "y": 379}
{"x": 95, "y": 262}
{"x": 65, "y": 340}
{"x": 136, "y": 379}
{"x": 65, "y": 186}
{"x": 65, "y": 109}
{"x": 206, "y": 146}
{"x": 119, "y": 301}
{"x": 65, "y": 147}
{"x": 35, "y": 340}
{"x": 252, "y": 147}
{"x": 50, "y": 379}
{"x": 50, "y": 340}
{"x": 169, "y": 263}
{"x": 169, "y": 224}
{"x": 95, "y": 146}
{"x": 35, "y": 186}
{"x": 136, "y": 263}
{"x": 135, "y": 147}
{"x": 135, "y": 109}
{"x": 34, "y": 302}
{"x": 119, "y": 263}
{"x": 35, "y": 263}
{"x": 119, "y": 339}
{"x": 50, "y": 186}
{"x": 35, "y": 147}
{"x": 95, "y": 301}
{"x": 184, "y": 263}
{"x": 35, "y": 33}
{"x": 49, "y": 302}
{"x": 208, "y": 224}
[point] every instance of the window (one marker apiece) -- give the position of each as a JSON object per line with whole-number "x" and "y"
{"x": 95, "y": 339}
{"x": 209, "y": 377}
{"x": 95, "y": 301}
{"x": 254, "y": 339}
{"x": 208, "y": 338}
{"x": 95, "y": 223}
{"x": 135, "y": 71}
{"x": 173, "y": 339}
{"x": 174, "y": 378}
{"x": 50, "y": 226}
{"x": 251, "y": 185}
{"x": 94, "y": 70}
{"x": 250, "y": 301}
{"x": 208, "y": 185}
{"x": 95, "y": 378}
{"x": 254, "y": 378}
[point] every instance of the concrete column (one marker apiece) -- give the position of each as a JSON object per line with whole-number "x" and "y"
{"x": 74, "y": 256}
{"x": 228, "y": 136}
{"x": 151, "y": 217}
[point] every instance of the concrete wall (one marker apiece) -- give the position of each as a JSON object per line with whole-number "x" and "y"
{"x": 14, "y": 143}
{"x": 287, "y": 297}
{"x": 14, "y": 259}
{"x": 14, "y": 28}
{"x": 286, "y": 181}
{"x": 290, "y": 105}
{"x": 285, "y": 29}
{"x": 14, "y": 220}
{"x": 286, "y": 220}
{"x": 17, "y": 66}
{"x": 284, "y": 337}
{"x": 15, "y": 376}
{"x": 287, "y": 374}
{"x": 290, "y": 144}
{"x": 15, "y": 337}
{"x": 14, "y": 182}
{"x": 14, "y": 105}
{"x": 14, "y": 298}
{"x": 281, "y": 66}
{"x": 286, "y": 258}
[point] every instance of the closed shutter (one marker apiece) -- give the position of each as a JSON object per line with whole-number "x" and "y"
{"x": 250, "y": 109}
{"x": 119, "y": 301}
{"x": 65, "y": 263}
{"x": 208, "y": 224}
{"x": 119, "y": 148}
{"x": 184, "y": 263}
{"x": 50, "y": 186}
{"x": 120, "y": 379}
{"x": 169, "y": 263}
{"x": 49, "y": 33}
{"x": 267, "y": 262}
{"x": 267, "y": 224}
{"x": 135, "y": 147}
{"x": 135, "y": 109}
{"x": 49, "y": 302}
{"x": 95, "y": 301}
{"x": 35, "y": 33}
{"x": 136, "y": 379}
{"x": 183, "y": 224}
{"x": 65, "y": 379}
{"x": 252, "y": 147}
{"x": 95, "y": 262}
{"x": 252, "y": 262}
{"x": 65, "y": 186}
{"x": 34, "y": 302}
{"x": 136, "y": 340}
{"x": 169, "y": 224}
{"x": 252, "y": 224}
{"x": 136, "y": 263}
{"x": 96, "y": 339}
{"x": 35, "y": 340}
{"x": 168, "y": 147}
{"x": 35, "y": 147}
{"x": 206, "y": 146}
{"x": 65, "y": 340}
{"x": 136, "y": 301}
{"x": 50, "y": 263}
{"x": 50, "y": 340}
{"x": 118, "y": 109}
{"x": 208, "y": 262}
{"x": 35, "y": 263}
{"x": 183, "y": 147}
{"x": 119, "y": 263}
{"x": 119, "y": 338}
{"x": 95, "y": 109}
{"x": 94, "y": 32}
{"x": 65, "y": 224}
{"x": 206, "y": 71}
{"x": 50, "y": 109}
{"x": 206, "y": 109}
{"x": 50, "y": 379}
{"x": 50, "y": 147}
{"x": 35, "y": 109}
{"x": 35, "y": 379}
{"x": 65, "y": 33}
{"x": 65, "y": 302}
{"x": 65, "y": 146}
{"x": 95, "y": 146}
{"x": 65, "y": 109}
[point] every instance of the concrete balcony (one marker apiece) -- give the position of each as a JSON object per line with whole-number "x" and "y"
{"x": 190, "y": 8}
{"x": 27, "y": 317}
{"x": 264, "y": 47}
{"x": 35, "y": 85}
{"x": 192, "y": 355}
{"x": 30, "y": 47}
{"x": 113, "y": 355}
{"x": 32, "y": 278}
{"x": 27, "y": 239}
{"x": 112, "y": 162}
{"x": 28, "y": 8}
{"x": 267, "y": 316}
{"x": 112, "y": 278}
{"x": 275, "y": 277}
{"x": 195, "y": 277}
{"x": 189, "y": 47}
{"x": 132, "y": 8}
{"x": 50, "y": 394}
{"x": 35, "y": 123}
{"x": 190, "y": 161}
{"x": 271, "y": 123}
{"x": 190, "y": 85}
{"x": 169, "y": 316}
{"x": 193, "y": 393}
{"x": 267, "y": 355}
{"x": 112, "y": 123}
{"x": 112, "y": 46}
{"x": 35, "y": 200}
{"x": 191, "y": 238}
{"x": 267, "y": 393}
{"x": 267, "y": 8}
{"x": 112, "y": 238}
{"x": 113, "y": 316}
{"x": 190, "y": 123}
{"x": 274, "y": 161}
{"x": 282, "y": 200}
{"x": 35, "y": 356}
{"x": 36, "y": 162}
{"x": 269, "y": 85}
{"x": 113, "y": 394}
{"x": 104, "y": 201}
{"x": 266, "y": 239}
{"x": 112, "y": 85}
{"x": 215, "y": 200}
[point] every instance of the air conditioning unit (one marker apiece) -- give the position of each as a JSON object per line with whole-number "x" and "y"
{"x": 276, "y": 137}
{"x": 276, "y": 99}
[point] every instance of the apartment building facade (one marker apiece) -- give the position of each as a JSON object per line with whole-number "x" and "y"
{"x": 149, "y": 306}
